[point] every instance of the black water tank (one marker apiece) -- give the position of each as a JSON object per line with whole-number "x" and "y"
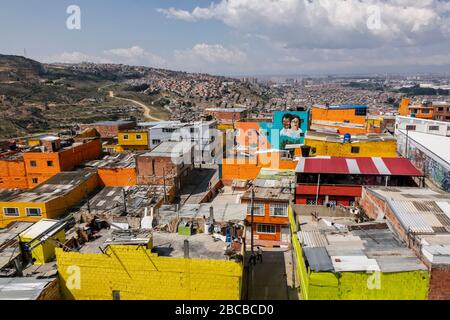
{"x": 305, "y": 151}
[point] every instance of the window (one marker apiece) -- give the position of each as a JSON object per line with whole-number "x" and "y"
{"x": 33, "y": 212}
{"x": 192, "y": 130}
{"x": 332, "y": 202}
{"x": 33, "y": 163}
{"x": 156, "y": 141}
{"x": 138, "y": 137}
{"x": 360, "y": 111}
{"x": 258, "y": 209}
{"x": 125, "y": 137}
{"x": 425, "y": 110}
{"x": 313, "y": 150}
{"x": 346, "y": 121}
{"x": 169, "y": 130}
{"x": 311, "y": 202}
{"x": 440, "y": 109}
{"x": 49, "y": 163}
{"x": 433, "y": 128}
{"x": 410, "y": 127}
{"x": 278, "y": 209}
{"x": 11, "y": 212}
{"x": 116, "y": 295}
{"x": 355, "y": 150}
{"x": 266, "y": 228}
{"x": 34, "y": 180}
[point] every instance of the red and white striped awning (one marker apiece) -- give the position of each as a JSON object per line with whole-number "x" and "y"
{"x": 363, "y": 166}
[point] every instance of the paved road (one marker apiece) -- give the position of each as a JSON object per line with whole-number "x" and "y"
{"x": 146, "y": 109}
{"x": 272, "y": 279}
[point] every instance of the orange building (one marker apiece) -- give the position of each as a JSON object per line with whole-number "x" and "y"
{"x": 249, "y": 136}
{"x": 117, "y": 170}
{"x": 12, "y": 172}
{"x": 342, "y": 119}
{"x": 435, "y": 110}
{"x": 29, "y": 169}
{"x": 241, "y": 168}
{"x": 270, "y": 211}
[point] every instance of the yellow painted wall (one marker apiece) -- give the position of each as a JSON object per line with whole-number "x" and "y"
{"x": 6, "y": 220}
{"x": 59, "y": 205}
{"x": 51, "y": 209}
{"x": 45, "y": 252}
{"x": 366, "y": 149}
{"x": 408, "y": 285}
{"x": 133, "y": 138}
{"x": 141, "y": 275}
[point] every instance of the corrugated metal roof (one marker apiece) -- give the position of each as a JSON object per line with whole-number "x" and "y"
{"x": 414, "y": 223}
{"x": 22, "y": 288}
{"x": 312, "y": 239}
{"x": 359, "y": 165}
{"x": 318, "y": 259}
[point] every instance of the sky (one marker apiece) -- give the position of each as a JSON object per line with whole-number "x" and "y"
{"x": 235, "y": 37}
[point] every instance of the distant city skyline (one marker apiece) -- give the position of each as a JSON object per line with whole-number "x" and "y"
{"x": 237, "y": 37}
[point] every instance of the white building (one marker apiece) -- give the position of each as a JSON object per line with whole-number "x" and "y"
{"x": 427, "y": 144}
{"x": 204, "y": 134}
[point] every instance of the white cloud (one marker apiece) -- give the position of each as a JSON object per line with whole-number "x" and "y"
{"x": 75, "y": 57}
{"x": 132, "y": 56}
{"x": 329, "y": 23}
{"x": 135, "y": 55}
{"x": 212, "y": 53}
{"x": 209, "y": 58}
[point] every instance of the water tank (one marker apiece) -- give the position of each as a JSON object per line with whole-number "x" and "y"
{"x": 347, "y": 137}
{"x": 305, "y": 151}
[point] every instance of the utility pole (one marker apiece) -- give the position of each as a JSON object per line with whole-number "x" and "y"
{"x": 406, "y": 144}
{"x": 317, "y": 192}
{"x": 164, "y": 183}
{"x": 251, "y": 219}
{"x": 125, "y": 201}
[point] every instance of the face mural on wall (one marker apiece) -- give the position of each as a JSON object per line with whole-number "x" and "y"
{"x": 292, "y": 127}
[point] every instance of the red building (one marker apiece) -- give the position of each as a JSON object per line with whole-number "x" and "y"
{"x": 339, "y": 181}
{"x": 270, "y": 211}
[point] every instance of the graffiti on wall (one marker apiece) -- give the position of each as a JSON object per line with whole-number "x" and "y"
{"x": 432, "y": 169}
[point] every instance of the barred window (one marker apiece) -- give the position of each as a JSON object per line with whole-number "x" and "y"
{"x": 279, "y": 209}
{"x": 258, "y": 208}
{"x": 33, "y": 212}
{"x": 11, "y": 212}
{"x": 266, "y": 228}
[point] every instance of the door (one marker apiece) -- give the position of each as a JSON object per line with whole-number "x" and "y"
{"x": 285, "y": 234}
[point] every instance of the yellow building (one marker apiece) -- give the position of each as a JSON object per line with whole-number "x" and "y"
{"x": 132, "y": 140}
{"x": 369, "y": 145}
{"x": 150, "y": 266}
{"x": 42, "y": 238}
{"x": 48, "y": 200}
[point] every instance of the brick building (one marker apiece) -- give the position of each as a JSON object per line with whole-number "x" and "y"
{"x": 227, "y": 115}
{"x": 110, "y": 129}
{"x": 167, "y": 164}
{"x": 270, "y": 211}
{"x": 421, "y": 218}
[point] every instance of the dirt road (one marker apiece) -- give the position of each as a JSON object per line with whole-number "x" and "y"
{"x": 146, "y": 109}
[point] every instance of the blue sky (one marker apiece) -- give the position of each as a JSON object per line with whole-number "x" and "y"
{"x": 236, "y": 37}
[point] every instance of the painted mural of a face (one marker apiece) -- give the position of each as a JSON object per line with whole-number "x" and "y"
{"x": 287, "y": 121}
{"x": 295, "y": 123}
